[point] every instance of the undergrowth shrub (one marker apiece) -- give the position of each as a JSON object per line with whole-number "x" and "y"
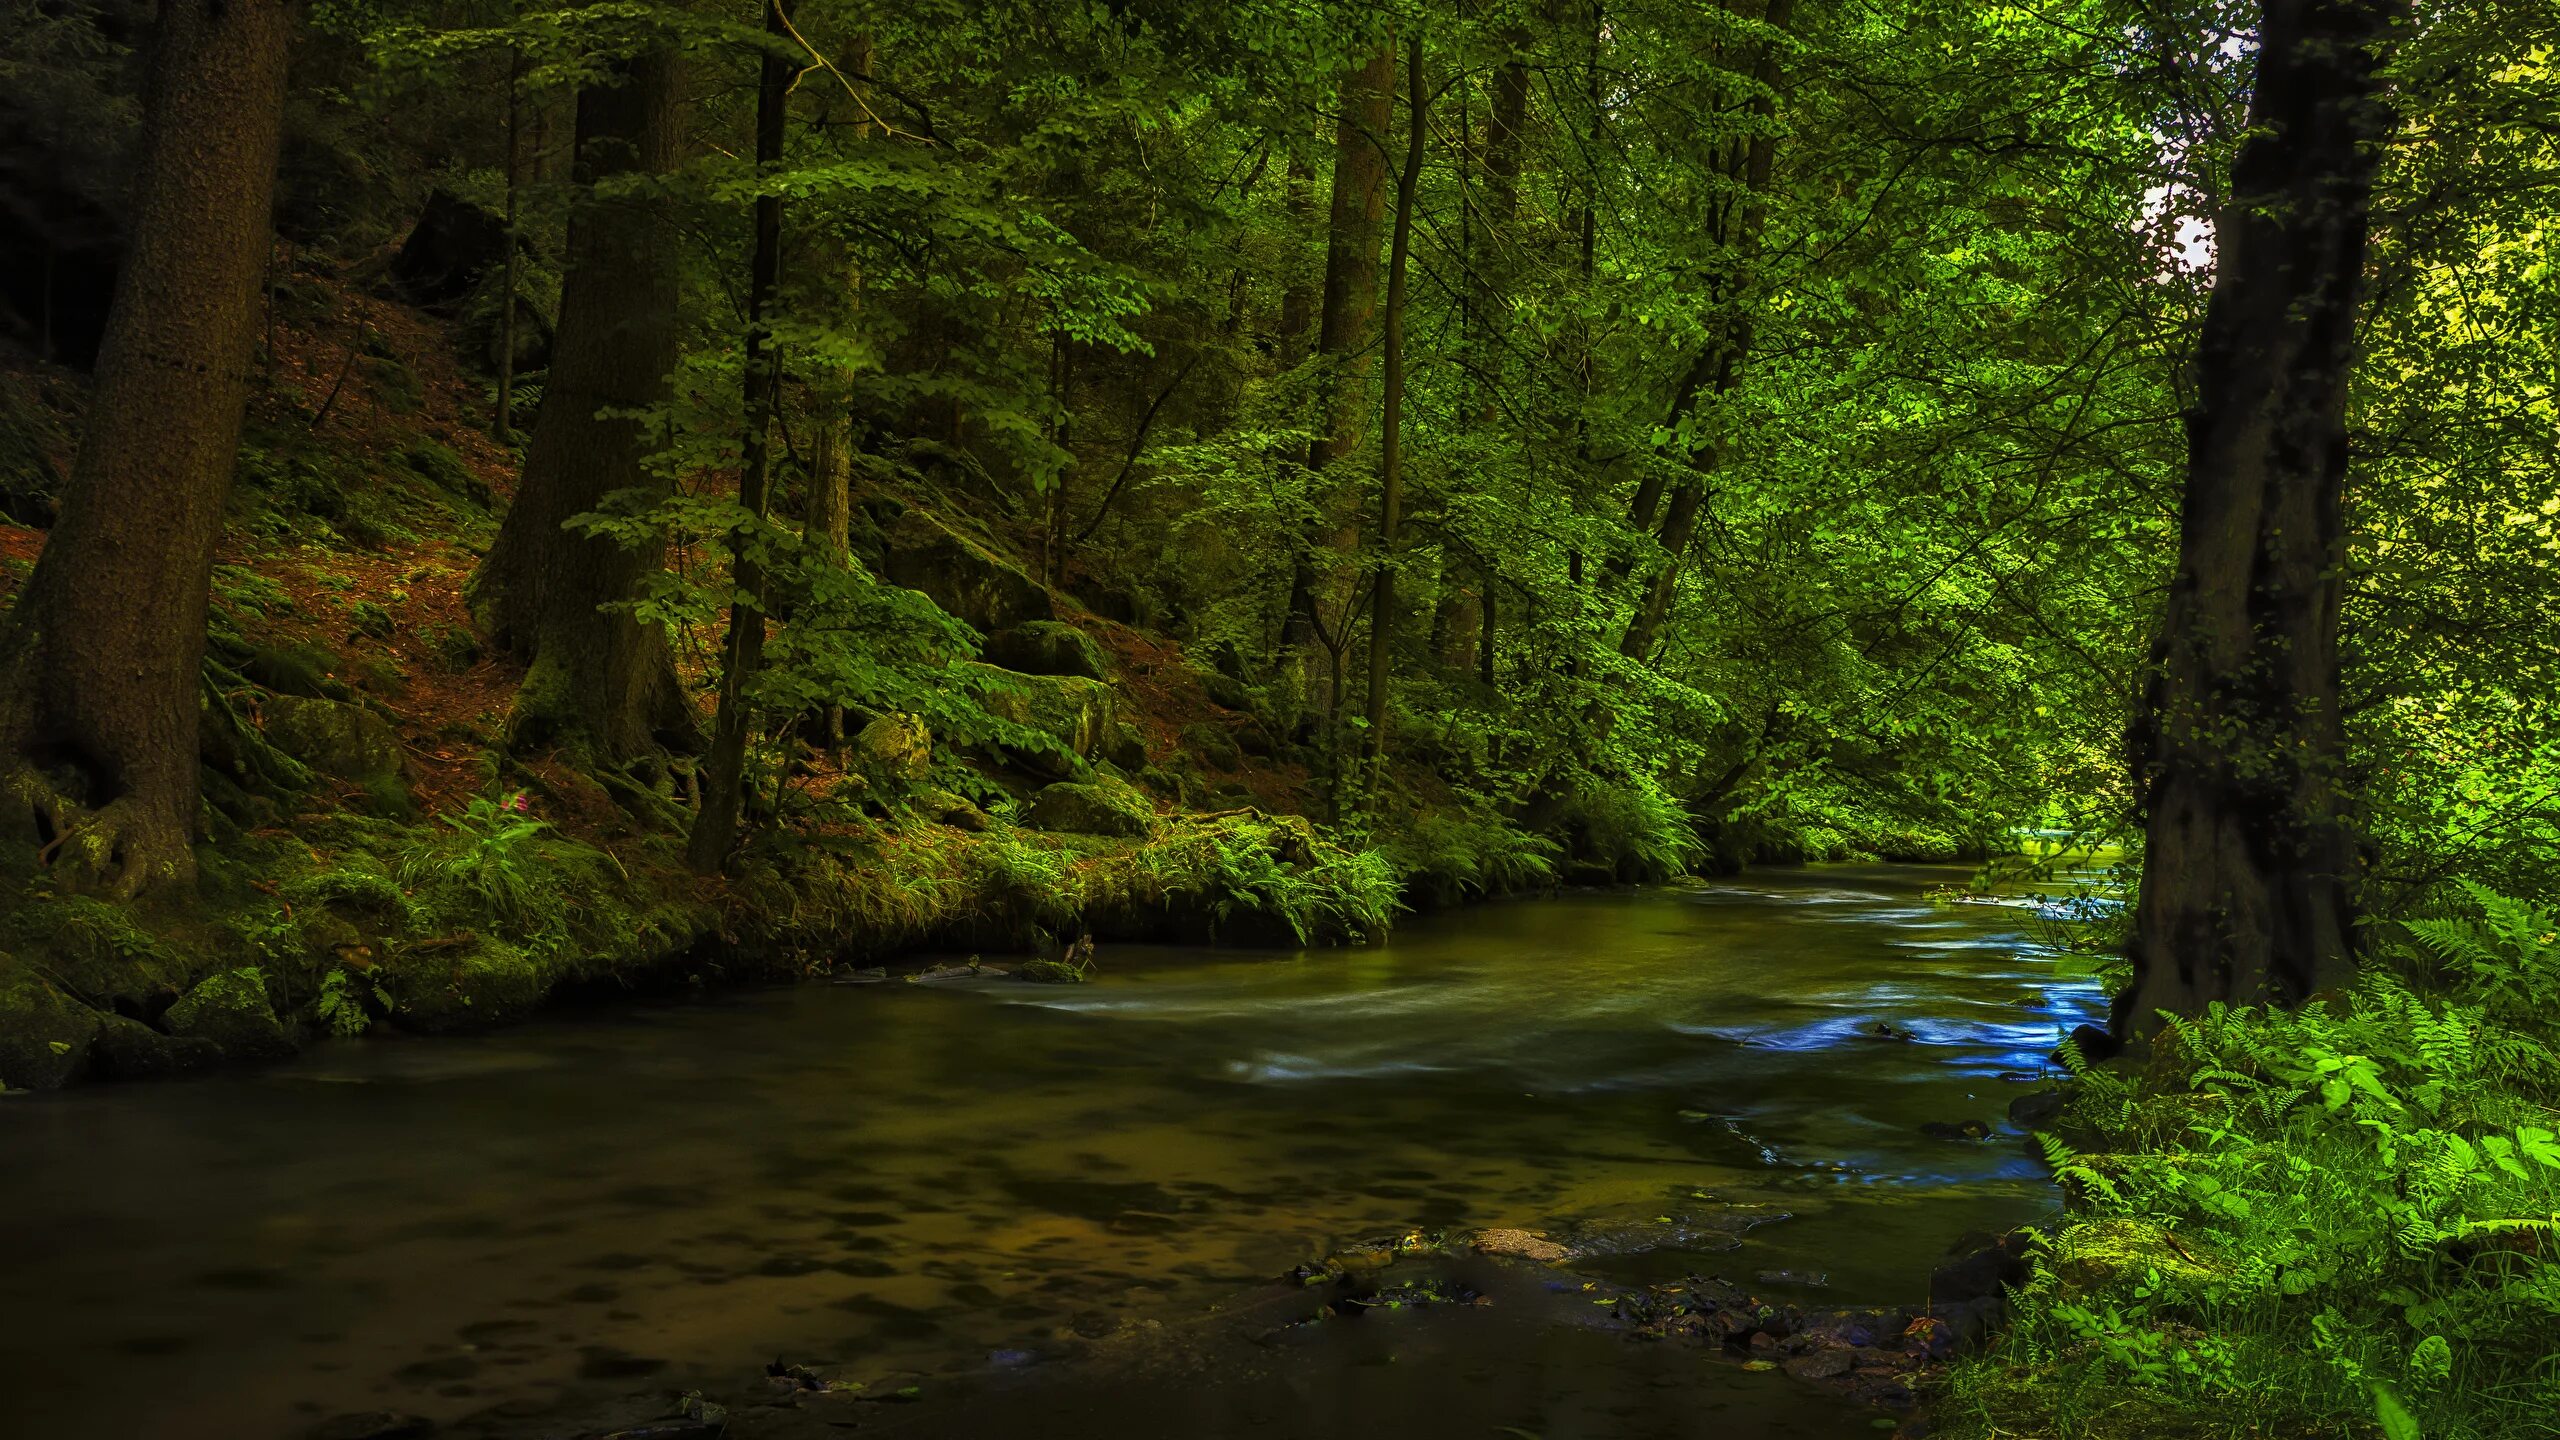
{"x": 1453, "y": 855}
{"x": 491, "y": 864}
{"x": 2339, "y": 1220}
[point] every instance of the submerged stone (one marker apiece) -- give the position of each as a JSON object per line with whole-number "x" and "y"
{"x": 1522, "y": 1244}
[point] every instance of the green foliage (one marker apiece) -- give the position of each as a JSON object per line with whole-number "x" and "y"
{"x": 1268, "y": 871}
{"x": 493, "y": 866}
{"x": 348, "y": 1003}
{"x": 2377, "y": 1175}
{"x": 1463, "y": 854}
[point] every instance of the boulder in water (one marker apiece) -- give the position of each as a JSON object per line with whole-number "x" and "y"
{"x": 2036, "y": 1111}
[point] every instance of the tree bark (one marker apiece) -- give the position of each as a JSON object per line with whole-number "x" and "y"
{"x": 105, "y": 649}
{"x": 600, "y": 679}
{"x": 2248, "y": 872}
{"x": 1342, "y": 336}
{"x": 503, "y": 427}
{"x": 715, "y": 827}
{"x": 1382, "y": 601}
{"x": 827, "y": 529}
{"x": 1297, "y": 294}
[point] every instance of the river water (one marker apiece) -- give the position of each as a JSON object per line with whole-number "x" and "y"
{"x": 930, "y": 1186}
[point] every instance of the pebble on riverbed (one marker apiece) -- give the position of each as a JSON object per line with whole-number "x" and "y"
{"x": 1523, "y": 1244}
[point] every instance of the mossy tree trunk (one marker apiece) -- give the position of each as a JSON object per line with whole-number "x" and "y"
{"x": 2248, "y": 871}
{"x": 599, "y": 678}
{"x": 103, "y": 652}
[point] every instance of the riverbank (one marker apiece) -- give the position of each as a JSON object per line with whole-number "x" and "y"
{"x": 2331, "y": 1222}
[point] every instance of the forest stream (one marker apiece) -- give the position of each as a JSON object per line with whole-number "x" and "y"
{"x": 955, "y": 1193}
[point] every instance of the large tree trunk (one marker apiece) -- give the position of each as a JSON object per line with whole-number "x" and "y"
{"x": 2248, "y": 874}
{"x": 1342, "y": 337}
{"x": 104, "y": 651}
{"x": 599, "y": 678}
{"x": 715, "y": 828}
{"x": 1382, "y": 605}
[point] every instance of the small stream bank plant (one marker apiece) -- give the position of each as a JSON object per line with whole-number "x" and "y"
{"x": 2338, "y": 1221}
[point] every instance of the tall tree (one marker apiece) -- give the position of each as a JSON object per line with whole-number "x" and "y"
{"x": 1342, "y": 335}
{"x": 105, "y": 649}
{"x": 2237, "y": 751}
{"x": 600, "y": 677}
{"x": 1382, "y": 602}
{"x": 715, "y": 828}
{"x": 1735, "y": 219}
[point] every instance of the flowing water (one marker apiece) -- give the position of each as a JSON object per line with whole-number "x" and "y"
{"x": 930, "y": 1184}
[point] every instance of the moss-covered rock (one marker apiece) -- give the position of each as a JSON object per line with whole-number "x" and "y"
{"x": 1097, "y": 807}
{"x": 1075, "y": 712}
{"x": 963, "y": 577}
{"x": 2096, "y": 1254}
{"x": 1047, "y": 647}
{"x": 470, "y": 987}
{"x": 230, "y": 1008}
{"x": 307, "y": 671}
{"x": 44, "y": 1034}
{"x": 335, "y": 738}
{"x": 1213, "y": 744}
{"x": 1124, "y": 745}
{"x": 130, "y": 1050}
{"x": 954, "y": 810}
{"x": 93, "y": 950}
{"x": 895, "y": 746}
{"x": 439, "y": 466}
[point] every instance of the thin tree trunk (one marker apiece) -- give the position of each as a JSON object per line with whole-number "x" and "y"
{"x": 503, "y": 428}
{"x": 827, "y": 529}
{"x": 715, "y": 828}
{"x": 1342, "y": 343}
{"x": 1493, "y": 241}
{"x": 1382, "y": 603}
{"x": 1741, "y": 222}
{"x": 105, "y": 648}
{"x": 2248, "y": 870}
{"x": 599, "y": 678}
{"x": 1298, "y": 293}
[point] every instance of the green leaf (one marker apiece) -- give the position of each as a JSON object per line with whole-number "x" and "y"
{"x": 2394, "y": 1418}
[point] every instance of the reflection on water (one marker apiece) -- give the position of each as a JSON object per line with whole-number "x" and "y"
{"x": 914, "y": 1177}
